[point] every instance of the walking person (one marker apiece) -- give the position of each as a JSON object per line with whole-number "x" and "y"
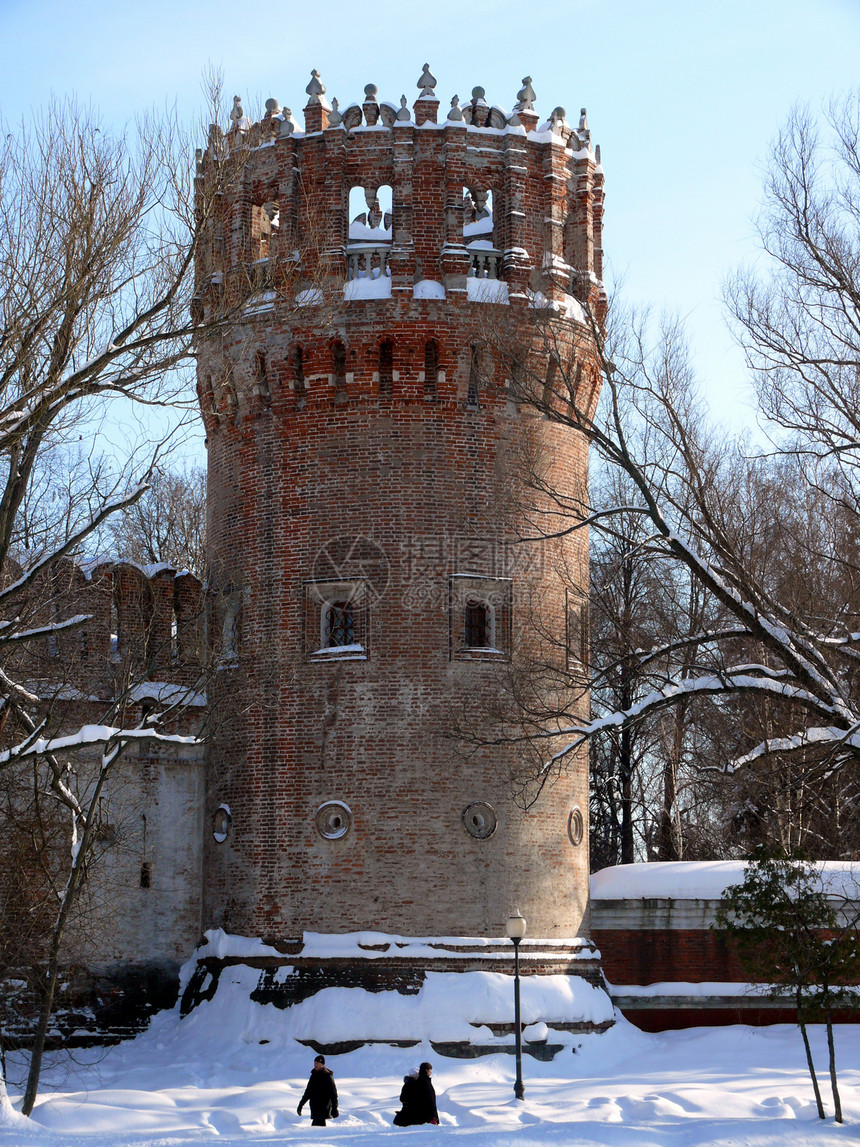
{"x": 417, "y": 1098}
{"x": 321, "y": 1094}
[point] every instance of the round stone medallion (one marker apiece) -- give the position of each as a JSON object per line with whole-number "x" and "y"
{"x": 333, "y": 820}
{"x": 575, "y": 825}
{"x": 479, "y": 820}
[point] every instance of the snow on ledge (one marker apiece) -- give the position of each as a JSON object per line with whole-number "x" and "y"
{"x": 569, "y": 308}
{"x": 487, "y": 291}
{"x": 221, "y": 945}
{"x": 367, "y": 288}
{"x": 702, "y": 879}
{"x": 310, "y": 297}
{"x": 706, "y": 988}
{"x": 379, "y": 945}
{"x": 428, "y": 289}
{"x": 164, "y": 692}
{"x": 448, "y": 1006}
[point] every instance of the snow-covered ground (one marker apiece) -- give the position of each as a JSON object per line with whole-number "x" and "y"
{"x": 209, "y": 1078}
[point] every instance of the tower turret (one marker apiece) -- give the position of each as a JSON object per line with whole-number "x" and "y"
{"x": 370, "y": 588}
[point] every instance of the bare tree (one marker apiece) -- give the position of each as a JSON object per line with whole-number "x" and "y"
{"x": 168, "y": 524}
{"x": 777, "y": 633}
{"x": 98, "y": 235}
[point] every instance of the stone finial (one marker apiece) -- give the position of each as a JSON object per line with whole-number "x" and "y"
{"x": 526, "y": 96}
{"x": 583, "y": 120}
{"x": 557, "y": 120}
{"x": 370, "y": 106}
{"x": 427, "y": 83}
{"x": 597, "y": 155}
{"x": 404, "y": 115}
{"x": 335, "y": 119}
{"x": 273, "y": 108}
{"x": 315, "y": 89}
{"x": 237, "y": 114}
{"x": 478, "y": 110}
{"x": 456, "y": 112}
{"x": 288, "y": 124}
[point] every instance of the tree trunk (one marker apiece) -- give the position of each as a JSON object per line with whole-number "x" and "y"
{"x": 69, "y": 897}
{"x": 626, "y": 770}
{"x": 831, "y": 1051}
{"x": 808, "y": 1050}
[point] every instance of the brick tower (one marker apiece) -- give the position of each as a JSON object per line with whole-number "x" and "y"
{"x": 368, "y": 589}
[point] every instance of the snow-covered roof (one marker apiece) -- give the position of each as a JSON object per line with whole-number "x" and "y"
{"x": 702, "y": 879}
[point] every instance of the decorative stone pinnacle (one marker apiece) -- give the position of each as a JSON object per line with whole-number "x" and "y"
{"x": 404, "y": 115}
{"x": 237, "y": 113}
{"x": 455, "y": 113}
{"x": 478, "y": 94}
{"x": 315, "y": 89}
{"x": 272, "y": 107}
{"x": 597, "y": 155}
{"x": 583, "y": 121}
{"x": 427, "y": 83}
{"x": 335, "y": 119}
{"x": 287, "y": 124}
{"x": 558, "y": 116}
{"x": 370, "y": 91}
{"x": 526, "y": 96}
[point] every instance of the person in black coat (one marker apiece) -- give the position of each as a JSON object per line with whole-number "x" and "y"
{"x": 321, "y": 1094}
{"x": 418, "y": 1099}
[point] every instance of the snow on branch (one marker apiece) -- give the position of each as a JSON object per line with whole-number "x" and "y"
{"x": 90, "y": 735}
{"x": 73, "y": 541}
{"x": 9, "y": 634}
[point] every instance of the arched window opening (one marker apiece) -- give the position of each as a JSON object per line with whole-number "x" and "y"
{"x": 209, "y": 403}
{"x": 369, "y": 240}
{"x": 230, "y": 626}
{"x": 549, "y": 387}
{"x": 339, "y": 370}
{"x": 299, "y": 383}
{"x": 116, "y": 641}
{"x": 478, "y": 625}
{"x": 174, "y": 636}
{"x": 265, "y": 221}
{"x": 473, "y": 392}
{"x": 479, "y": 234}
{"x": 339, "y": 624}
{"x": 431, "y": 369}
{"x": 386, "y": 369}
{"x": 261, "y": 375}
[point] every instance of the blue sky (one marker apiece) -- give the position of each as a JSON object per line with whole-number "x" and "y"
{"x": 684, "y": 98}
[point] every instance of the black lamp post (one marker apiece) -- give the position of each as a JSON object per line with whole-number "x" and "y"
{"x": 516, "y": 929}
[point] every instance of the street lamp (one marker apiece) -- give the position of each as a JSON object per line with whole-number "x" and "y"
{"x": 516, "y": 929}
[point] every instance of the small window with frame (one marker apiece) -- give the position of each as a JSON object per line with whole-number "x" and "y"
{"x": 578, "y": 636}
{"x": 336, "y": 620}
{"x": 479, "y": 617}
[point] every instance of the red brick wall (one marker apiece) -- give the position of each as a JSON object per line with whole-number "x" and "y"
{"x": 651, "y": 957}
